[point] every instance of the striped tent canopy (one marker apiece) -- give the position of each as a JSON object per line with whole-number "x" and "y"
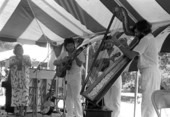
{"x": 35, "y": 21}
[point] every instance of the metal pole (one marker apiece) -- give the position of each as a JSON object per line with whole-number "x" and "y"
{"x": 86, "y": 72}
{"x": 87, "y": 61}
{"x": 136, "y": 91}
{"x": 65, "y": 96}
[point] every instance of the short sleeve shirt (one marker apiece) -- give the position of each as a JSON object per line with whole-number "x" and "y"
{"x": 147, "y": 48}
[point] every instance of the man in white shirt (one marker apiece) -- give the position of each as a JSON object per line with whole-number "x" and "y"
{"x": 112, "y": 98}
{"x": 147, "y": 64}
{"x": 73, "y": 78}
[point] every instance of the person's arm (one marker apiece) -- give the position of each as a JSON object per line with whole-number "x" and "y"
{"x": 12, "y": 64}
{"x": 80, "y": 59}
{"x": 112, "y": 58}
{"x": 126, "y": 25}
{"x": 12, "y": 61}
{"x": 27, "y": 61}
{"x": 57, "y": 62}
{"x": 125, "y": 50}
{"x": 60, "y": 59}
{"x": 122, "y": 14}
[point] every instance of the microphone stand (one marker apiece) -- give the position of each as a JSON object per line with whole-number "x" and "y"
{"x": 35, "y": 89}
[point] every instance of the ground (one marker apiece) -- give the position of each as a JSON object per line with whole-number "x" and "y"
{"x": 127, "y": 108}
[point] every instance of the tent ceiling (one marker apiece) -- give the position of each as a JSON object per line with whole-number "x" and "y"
{"x": 150, "y": 10}
{"x": 32, "y": 21}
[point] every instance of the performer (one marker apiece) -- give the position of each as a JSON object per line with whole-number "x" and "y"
{"x": 73, "y": 78}
{"x": 112, "y": 99}
{"x": 147, "y": 52}
{"x": 19, "y": 71}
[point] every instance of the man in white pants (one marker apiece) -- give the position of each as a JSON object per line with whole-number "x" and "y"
{"x": 73, "y": 78}
{"x": 112, "y": 99}
{"x": 147, "y": 52}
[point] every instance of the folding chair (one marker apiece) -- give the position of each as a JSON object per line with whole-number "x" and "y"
{"x": 160, "y": 99}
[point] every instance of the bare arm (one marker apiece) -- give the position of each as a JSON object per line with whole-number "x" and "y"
{"x": 27, "y": 61}
{"x": 78, "y": 61}
{"x": 12, "y": 63}
{"x": 57, "y": 62}
{"x": 126, "y": 50}
{"x": 115, "y": 56}
{"x": 122, "y": 14}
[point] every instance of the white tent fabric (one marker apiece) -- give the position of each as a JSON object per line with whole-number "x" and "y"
{"x": 150, "y": 10}
{"x": 32, "y": 21}
{"x": 28, "y": 21}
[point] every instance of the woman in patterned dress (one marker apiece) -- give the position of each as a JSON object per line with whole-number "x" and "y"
{"x": 19, "y": 69}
